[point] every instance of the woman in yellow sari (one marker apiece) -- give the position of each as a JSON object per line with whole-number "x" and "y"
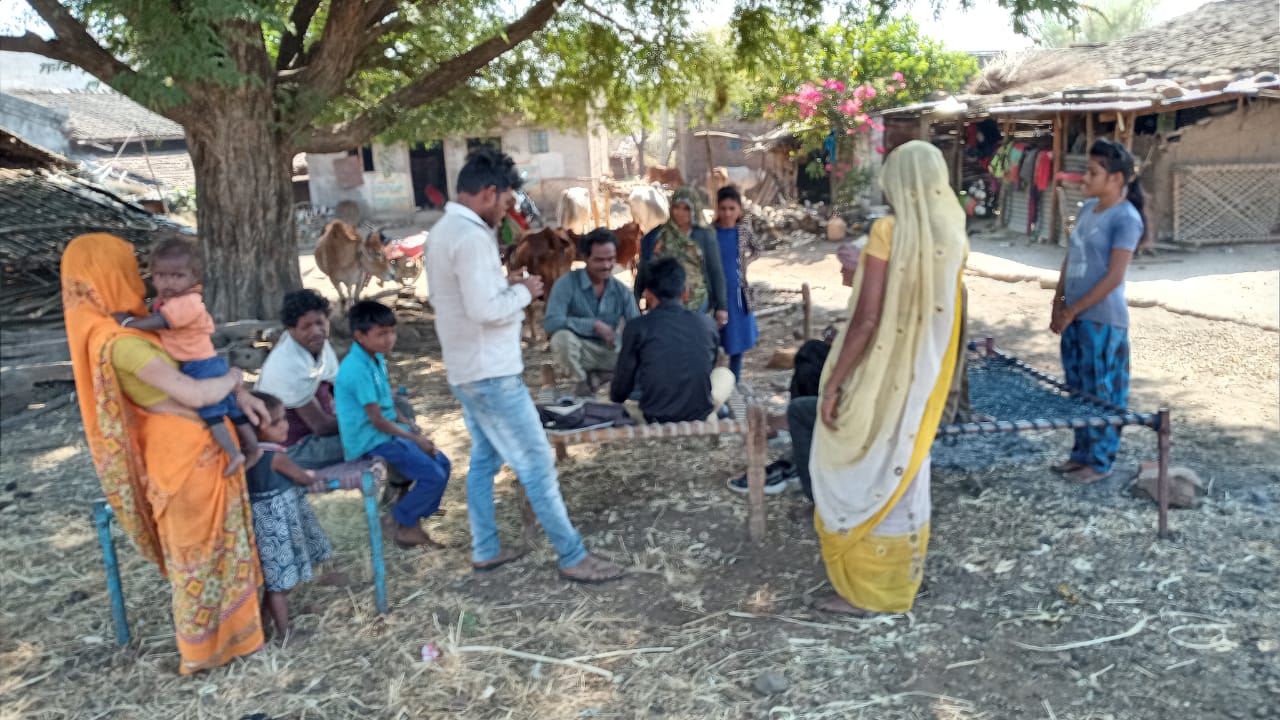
{"x": 883, "y": 391}
{"x": 159, "y": 466}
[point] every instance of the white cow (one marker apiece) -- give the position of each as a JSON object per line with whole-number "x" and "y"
{"x": 574, "y": 210}
{"x": 740, "y": 176}
{"x": 649, "y": 207}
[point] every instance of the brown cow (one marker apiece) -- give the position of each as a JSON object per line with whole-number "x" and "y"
{"x": 548, "y": 253}
{"x": 668, "y": 177}
{"x": 350, "y": 260}
{"x": 629, "y": 237}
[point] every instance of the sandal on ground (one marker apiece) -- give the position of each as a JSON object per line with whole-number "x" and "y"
{"x": 591, "y": 571}
{"x": 1086, "y": 476}
{"x": 833, "y": 603}
{"x": 1067, "y": 466}
{"x": 507, "y": 555}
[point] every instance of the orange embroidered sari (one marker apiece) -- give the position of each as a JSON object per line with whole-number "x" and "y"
{"x": 161, "y": 473}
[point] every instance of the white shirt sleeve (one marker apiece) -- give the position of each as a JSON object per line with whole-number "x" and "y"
{"x": 486, "y": 296}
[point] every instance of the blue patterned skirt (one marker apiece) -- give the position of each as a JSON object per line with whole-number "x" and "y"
{"x": 289, "y": 537}
{"x": 1095, "y": 359}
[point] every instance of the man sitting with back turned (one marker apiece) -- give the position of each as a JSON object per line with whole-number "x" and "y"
{"x": 670, "y": 352}
{"x": 583, "y": 313}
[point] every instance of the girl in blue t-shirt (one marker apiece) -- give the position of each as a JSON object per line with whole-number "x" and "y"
{"x": 1089, "y": 309}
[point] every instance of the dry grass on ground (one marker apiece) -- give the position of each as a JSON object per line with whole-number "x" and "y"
{"x": 1019, "y": 563}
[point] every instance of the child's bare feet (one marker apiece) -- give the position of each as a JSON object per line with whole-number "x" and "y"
{"x": 234, "y": 464}
{"x": 409, "y": 537}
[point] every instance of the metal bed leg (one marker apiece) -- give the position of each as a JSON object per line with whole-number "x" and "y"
{"x": 368, "y": 488}
{"x": 757, "y": 441}
{"x": 102, "y": 517}
{"x": 1164, "y": 440}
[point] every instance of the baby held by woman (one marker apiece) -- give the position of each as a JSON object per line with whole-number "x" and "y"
{"x": 178, "y": 316}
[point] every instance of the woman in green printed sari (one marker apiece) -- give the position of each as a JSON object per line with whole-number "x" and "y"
{"x": 685, "y": 238}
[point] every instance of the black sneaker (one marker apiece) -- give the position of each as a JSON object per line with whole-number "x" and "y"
{"x": 776, "y": 479}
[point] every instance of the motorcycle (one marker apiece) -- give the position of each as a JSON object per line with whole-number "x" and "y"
{"x": 405, "y": 255}
{"x": 527, "y": 208}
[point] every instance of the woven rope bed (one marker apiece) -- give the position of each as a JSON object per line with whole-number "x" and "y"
{"x": 1020, "y": 397}
{"x": 1024, "y": 399}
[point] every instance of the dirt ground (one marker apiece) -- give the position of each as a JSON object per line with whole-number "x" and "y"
{"x": 1019, "y": 563}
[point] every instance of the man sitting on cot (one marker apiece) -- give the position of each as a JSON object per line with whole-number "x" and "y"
{"x": 584, "y": 310}
{"x": 670, "y": 352}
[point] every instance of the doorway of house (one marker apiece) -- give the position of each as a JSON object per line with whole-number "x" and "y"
{"x": 426, "y": 167}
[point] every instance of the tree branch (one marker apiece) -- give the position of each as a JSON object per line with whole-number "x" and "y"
{"x": 71, "y": 43}
{"x": 291, "y": 45}
{"x": 447, "y": 76}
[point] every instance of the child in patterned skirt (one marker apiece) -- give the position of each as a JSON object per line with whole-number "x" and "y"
{"x": 290, "y": 541}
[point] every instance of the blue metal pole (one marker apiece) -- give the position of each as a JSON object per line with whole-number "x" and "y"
{"x": 102, "y": 517}
{"x": 370, "y": 490}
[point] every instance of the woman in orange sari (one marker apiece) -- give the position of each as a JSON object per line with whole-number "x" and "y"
{"x": 159, "y": 465}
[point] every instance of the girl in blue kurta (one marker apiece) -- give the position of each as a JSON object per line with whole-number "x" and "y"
{"x": 738, "y": 247}
{"x": 1089, "y": 308}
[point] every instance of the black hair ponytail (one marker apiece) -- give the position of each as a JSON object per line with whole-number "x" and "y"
{"x": 1116, "y": 158}
{"x": 1137, "y": 198}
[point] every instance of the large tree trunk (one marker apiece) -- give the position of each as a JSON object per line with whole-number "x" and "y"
{"x": 244, "y": 198}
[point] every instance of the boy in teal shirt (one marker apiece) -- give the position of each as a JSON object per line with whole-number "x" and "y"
{"x": 371, "y": 426}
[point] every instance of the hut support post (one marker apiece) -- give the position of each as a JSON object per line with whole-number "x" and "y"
{"x": 1059, "y": 146}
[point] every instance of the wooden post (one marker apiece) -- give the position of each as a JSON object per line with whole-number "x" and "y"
{"x": 528, "y": 518}
{"x": 1088, "y": 131}
{"x": 595, "y": 210}
{"x": 757, "y": 442}
{"x": 1059, "y": 147}
{"x": 957, "y": 156}
{"x": 806, "y": 297}
{"x": 1164, "y": 435}
{"x": 1129, "y": 121}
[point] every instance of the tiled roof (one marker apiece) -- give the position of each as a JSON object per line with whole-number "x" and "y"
{"x": 104, "y": 116}
{"x": 1231, "y": 37}
{"x": 40, "y": 212}
{"x": 171, "y": 168}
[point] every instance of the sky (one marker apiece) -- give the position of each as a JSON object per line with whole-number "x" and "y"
{"x": 984, "y": 26}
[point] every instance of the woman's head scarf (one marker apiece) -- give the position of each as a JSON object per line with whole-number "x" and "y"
{"x": 100, "y": 277}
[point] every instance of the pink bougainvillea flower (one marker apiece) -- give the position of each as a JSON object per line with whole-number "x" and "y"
{"x": 849, "y": 107}
{"x": 898, "y": 76}
{"x": 828, "y": 167}
{"x": 880, "y": 149}
{"x": 871, "y": 93}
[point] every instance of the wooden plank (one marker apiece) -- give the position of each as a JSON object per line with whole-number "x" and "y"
{"x": 37, "y": 373}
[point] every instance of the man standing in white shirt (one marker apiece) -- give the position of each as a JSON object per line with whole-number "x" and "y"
{"x": 479, "y": 309}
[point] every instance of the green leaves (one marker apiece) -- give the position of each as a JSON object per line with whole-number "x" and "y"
{"x": 624, "y": 58}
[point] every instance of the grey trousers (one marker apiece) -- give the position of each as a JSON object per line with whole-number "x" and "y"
{"x": 802, "y": 416}
{"x": 576, "y": 356}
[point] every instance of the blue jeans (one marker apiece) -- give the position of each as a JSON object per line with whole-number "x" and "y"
{"x": 213, "y": 367}
{"x": 504, "y": 427}
{"x": 429, "y": 476}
